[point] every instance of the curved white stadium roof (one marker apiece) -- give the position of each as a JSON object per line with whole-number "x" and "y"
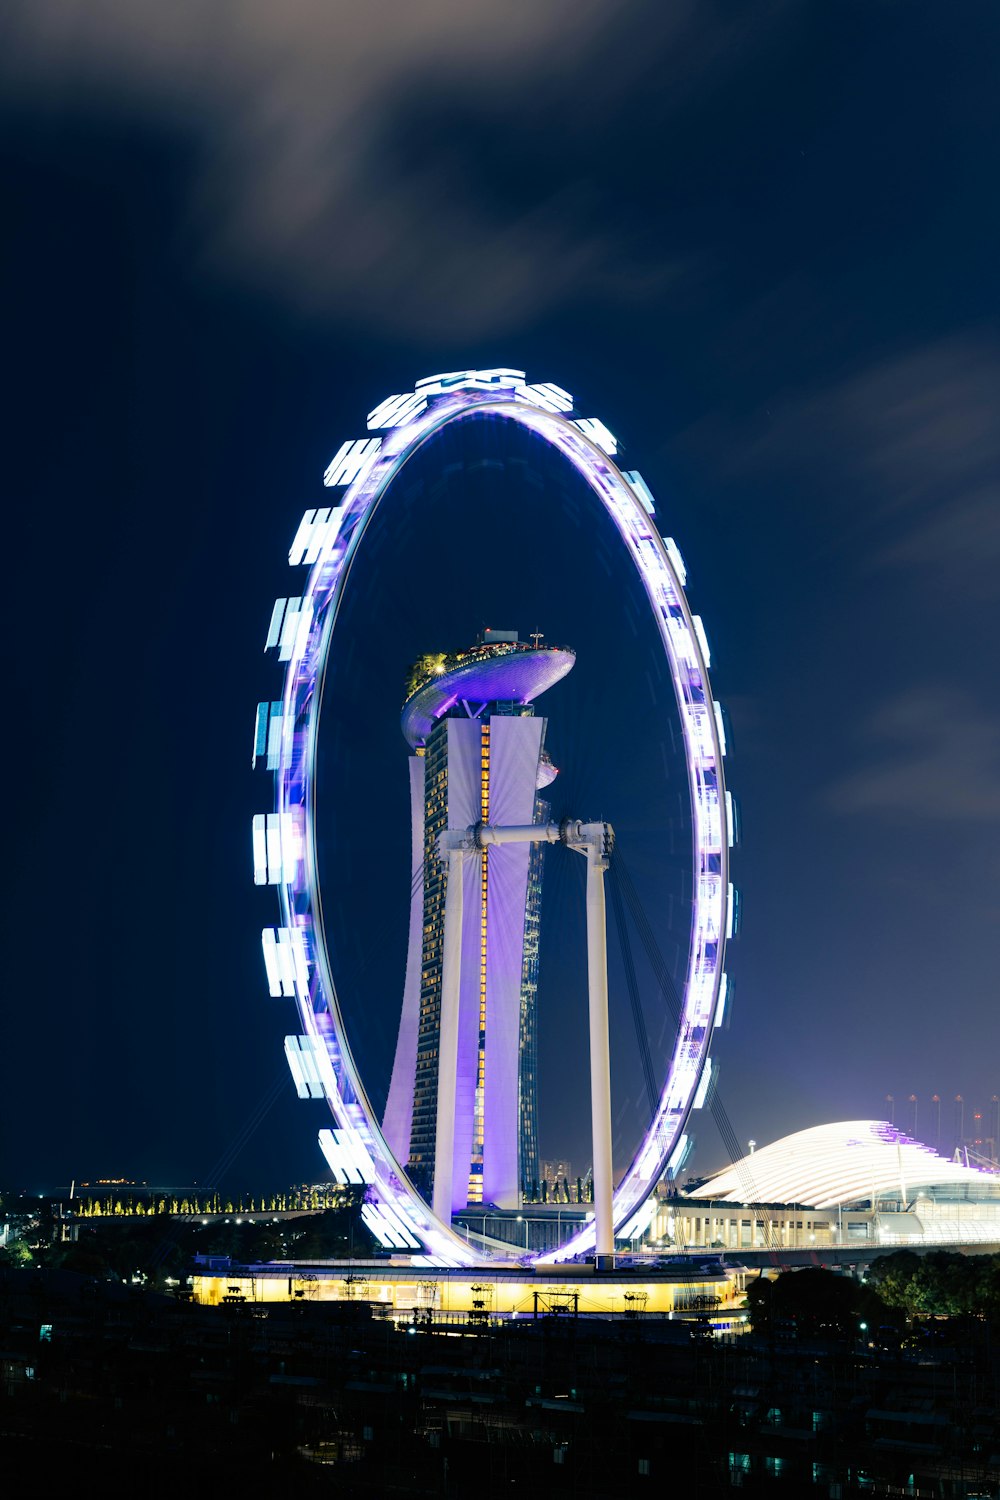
{"x": 831, "y": 1164}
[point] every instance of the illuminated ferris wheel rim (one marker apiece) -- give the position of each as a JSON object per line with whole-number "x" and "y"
{"x": 302, "y": 630}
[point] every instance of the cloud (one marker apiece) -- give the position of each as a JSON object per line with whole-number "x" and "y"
{"x": 924, "y": 442}
{"x": 926, "y": 419}
{"x": 430, "y": 168}
{"x": 888, "y": 481}
{"x": 906, "y": 449}
{"x": 932, "y": 753}
{"x": 931, "y": 446}
{"x": 309, "y": 119}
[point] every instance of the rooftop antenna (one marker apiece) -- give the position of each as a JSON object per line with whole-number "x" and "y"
{"x": 890, "y": 1101}
{"x": 936, "y": 1101}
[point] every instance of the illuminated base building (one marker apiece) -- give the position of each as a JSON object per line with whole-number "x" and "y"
{"x": 478, "y": 756}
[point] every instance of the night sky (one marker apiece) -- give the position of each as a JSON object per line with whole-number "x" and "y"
{"x": 761, "y": 243}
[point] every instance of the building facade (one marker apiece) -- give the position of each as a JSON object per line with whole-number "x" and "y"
{"x": 853, "y": 1182}
{"x": 478, "y": 756}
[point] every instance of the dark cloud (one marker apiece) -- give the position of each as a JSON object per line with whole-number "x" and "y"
{"x": 900, "y": 461}
{"x": 341, "y": 148}
{"x": 928, "y": 443}
{"x": 905, "y": 451}
{"x": 290, "y": 109}
{"x": 931, "y": 753}
{"x": 918, "y": 445}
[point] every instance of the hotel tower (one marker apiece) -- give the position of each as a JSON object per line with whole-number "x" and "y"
{"x": 478, "y": 757}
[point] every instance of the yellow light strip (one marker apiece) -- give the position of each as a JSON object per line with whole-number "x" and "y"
{"x": 479, "y": 1124}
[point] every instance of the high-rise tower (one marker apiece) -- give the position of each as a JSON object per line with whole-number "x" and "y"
{"x": 479, "y": 756}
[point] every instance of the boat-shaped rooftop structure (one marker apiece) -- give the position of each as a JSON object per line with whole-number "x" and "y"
{"x": 495, "y": 671}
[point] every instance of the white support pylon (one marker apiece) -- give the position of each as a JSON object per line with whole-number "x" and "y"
{"x": 594, "y": 840}
{"x": 600, "y": 1045}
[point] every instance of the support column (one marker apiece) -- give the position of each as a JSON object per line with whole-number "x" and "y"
{"x": 593, "y": 841}
{"x": 451, "y": 981}
{"x": 600, "y": 1049}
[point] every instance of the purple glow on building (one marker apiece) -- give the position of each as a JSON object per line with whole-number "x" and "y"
{"x": 520, "y": 675}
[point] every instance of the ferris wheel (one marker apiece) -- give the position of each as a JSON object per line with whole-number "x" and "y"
{"x": 302, "y": 632}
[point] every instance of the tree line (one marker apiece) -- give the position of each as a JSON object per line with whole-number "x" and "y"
{"x": 943, "y": 1284}
{"x": 899, "y": 1288}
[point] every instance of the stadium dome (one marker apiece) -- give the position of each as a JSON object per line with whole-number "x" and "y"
{"x": 854, "y": 1162}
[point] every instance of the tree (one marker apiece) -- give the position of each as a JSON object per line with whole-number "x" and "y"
{"x": 16, "y": 1253}
{"x": 988, "y": 1286}
{"x": 943, "y": 1284}
{"x": 813, "y": 1303}
{"x": 892, "y": 1277}
{"x": 946, "y": 1284}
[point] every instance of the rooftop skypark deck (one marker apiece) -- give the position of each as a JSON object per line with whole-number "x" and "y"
{"x": 493, "y": 671}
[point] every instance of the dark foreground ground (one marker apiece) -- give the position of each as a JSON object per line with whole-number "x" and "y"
{"x": 122, "y": 1392}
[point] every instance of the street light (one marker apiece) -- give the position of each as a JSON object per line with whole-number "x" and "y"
{"x": 522, "y": 1220}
